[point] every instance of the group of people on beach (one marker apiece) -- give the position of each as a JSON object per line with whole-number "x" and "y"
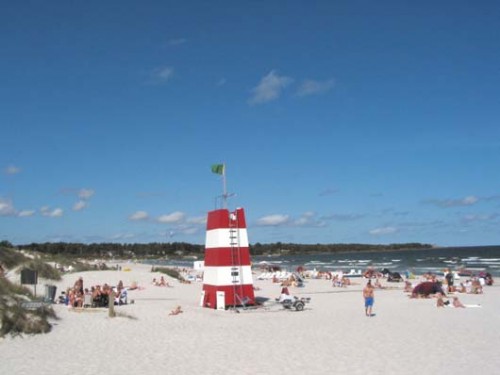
{"x": 292, "y": 280}
{"x": 96, "y": 296}
{"x": 432, "y": 286}
{"x": 339, "y": 280}
{"x": 161, "y": 282}
{"x": 440, "y": 302}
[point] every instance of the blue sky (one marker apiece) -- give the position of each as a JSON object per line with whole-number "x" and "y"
{"x": 338, "y": 121}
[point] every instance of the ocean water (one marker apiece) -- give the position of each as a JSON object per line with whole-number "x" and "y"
{"x": 475, "y": 259}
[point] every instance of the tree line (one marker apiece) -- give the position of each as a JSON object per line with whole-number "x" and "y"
{"x": 180, "y": 249}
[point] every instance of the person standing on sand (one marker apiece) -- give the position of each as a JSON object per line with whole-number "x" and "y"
{"x": 369, "y": 296}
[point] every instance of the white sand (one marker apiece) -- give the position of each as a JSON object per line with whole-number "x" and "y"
{"x": 332, "y": 335}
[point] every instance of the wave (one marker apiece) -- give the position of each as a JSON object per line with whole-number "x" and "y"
{"x": 317, "y": 263}
{"x": 489, "y": 259}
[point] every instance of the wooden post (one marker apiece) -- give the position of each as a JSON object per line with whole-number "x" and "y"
{"x": 111, "y": 305}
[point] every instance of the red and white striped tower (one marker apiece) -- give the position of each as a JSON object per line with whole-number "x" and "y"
{"x": 227, "y": 260}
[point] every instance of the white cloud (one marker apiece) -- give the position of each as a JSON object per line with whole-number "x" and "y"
{"x": 446, "y": 203}
{"x": 6, "y": 208}
{"x": 163, "y": 75}
{"x": 122, "y": 236}
{"x": 382, "y": 231}
{"x": 273, "y": 220}
{"x": 190, "y": 230}
{"x": 85, "y": 193}
{"x": 302, "y": 221}
{"x": 308, "y": 219}
{"x": 56, "y": 212}
{"x": 467, "y": 201}
{"x": 343, "y": 217}
{"x": 80, "y": 205}
{"x": 311, "y": 87}
{"x": 26, "y": 213}
{"x": 305, "y": 219}
{"x": 12, "y": 169}
{"x": 269, "y": 88}
{"x": 197, "y": 220}
{"x": 174, "y": 217}
{"x": 138, "y": 215}
{"x": 479, "y": 217}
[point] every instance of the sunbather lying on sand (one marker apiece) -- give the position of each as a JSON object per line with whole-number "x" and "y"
{"x": 176, "y": 311}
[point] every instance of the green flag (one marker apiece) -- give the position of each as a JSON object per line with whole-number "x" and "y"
{"x": 218, "y": 168}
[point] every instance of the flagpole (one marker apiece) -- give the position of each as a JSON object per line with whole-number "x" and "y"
{"x": 224, "y": 187}
{"x": 220, "y": 169}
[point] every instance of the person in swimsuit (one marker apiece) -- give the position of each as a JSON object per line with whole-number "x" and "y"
{"x": 457, "y": 302}
{"x": 369, "y": 296}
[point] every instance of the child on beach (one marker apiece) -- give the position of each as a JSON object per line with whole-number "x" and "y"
{"x": 369, "y": 296}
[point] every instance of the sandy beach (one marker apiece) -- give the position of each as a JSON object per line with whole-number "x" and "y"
{"x": 405, "y": 336}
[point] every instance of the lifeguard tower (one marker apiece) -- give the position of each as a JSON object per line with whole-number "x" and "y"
{"x": 227, "y": 277}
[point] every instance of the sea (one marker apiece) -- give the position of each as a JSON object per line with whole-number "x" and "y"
{"x": 474, "y": 259}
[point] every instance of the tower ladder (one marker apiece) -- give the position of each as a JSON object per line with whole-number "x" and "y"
{"x": 236, "y": 269}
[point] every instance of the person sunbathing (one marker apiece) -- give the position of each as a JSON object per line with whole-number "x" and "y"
{"x": 78, "y": 287}
{"x": 96, "y": 295}
{"x": 162, "y": 282}
{"x": 176, "y": 311}
{"x": 462, "y": 288}
{"x": 378, "y": 284}
{"x": 119, "y": 287}
{"x": 71, "y": 298}
{"x": 457, "y": 303}
{"x": 78, "y": 299}
{"x": 476, "y": 287}
{"x": 440, "y": 301}
{"x": 408, "y": 287}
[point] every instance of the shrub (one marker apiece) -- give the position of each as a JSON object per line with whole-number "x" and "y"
{"x": 44, "y": 270}
{"x": 16, "y": 318}
{"x": 172, "y": 272}
{"x": 11, "y": 258}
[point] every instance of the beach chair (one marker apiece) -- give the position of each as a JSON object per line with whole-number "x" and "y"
{"x": 87, "y": 300}
{"x": 123, "y": 299}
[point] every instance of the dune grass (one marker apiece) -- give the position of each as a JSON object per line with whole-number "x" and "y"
{"x": 19, "y": 312}
{"x": 172, "y": 272}
{"x": 17, "y": 317}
